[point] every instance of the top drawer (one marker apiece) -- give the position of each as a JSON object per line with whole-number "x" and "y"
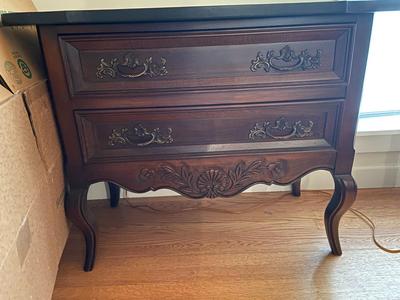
{"x": 151, "y": 63}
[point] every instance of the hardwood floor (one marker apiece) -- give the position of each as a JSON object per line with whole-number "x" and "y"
{"x": 253, "y": 246}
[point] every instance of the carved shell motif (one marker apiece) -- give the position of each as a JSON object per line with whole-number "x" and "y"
{"x": 212, "y": 183}
{"x": 215, "y": 181}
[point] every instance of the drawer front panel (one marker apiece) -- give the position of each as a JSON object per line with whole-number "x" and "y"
{"x": 161, "y": 62}
{"x": 144, "y": 134}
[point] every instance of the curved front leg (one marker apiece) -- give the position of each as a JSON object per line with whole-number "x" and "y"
{"x": 113, "y": 191}
{"x": 76, "y": 210}
{"x": 342, "y": 199}
{"x": 296, "y": 188}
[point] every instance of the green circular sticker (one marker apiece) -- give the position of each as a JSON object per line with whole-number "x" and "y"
{"x": 24, "y": 68}
{"x": 11, "y": 69}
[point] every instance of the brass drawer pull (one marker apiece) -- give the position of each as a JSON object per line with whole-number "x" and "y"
{"x": 296, "y": 129}
{"x": 131, "y": 67}
{"x": 125, "y": 136}
{"x": 303, "y": 61}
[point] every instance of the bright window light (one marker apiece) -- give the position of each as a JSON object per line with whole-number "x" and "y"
{"x": 381, "y": 94}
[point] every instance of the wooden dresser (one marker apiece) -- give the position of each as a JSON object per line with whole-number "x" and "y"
{"x": 206, "y": 101}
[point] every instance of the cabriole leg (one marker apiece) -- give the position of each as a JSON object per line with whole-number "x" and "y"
{"x": 76, "y": 210}
{"x": 114, "y": 192}
{"x": 342, "y": 199}
{"x": 296, "y": 188}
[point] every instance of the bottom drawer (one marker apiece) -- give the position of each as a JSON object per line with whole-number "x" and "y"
{"x": 138, "y": 134}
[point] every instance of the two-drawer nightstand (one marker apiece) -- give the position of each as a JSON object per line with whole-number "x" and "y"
{"x": 206, "y": 101}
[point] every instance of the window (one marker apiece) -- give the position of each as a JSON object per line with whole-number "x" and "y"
{"x": 381, "y": 94}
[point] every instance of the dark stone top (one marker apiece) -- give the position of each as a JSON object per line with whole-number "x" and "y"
{"x": 199, "y": 13}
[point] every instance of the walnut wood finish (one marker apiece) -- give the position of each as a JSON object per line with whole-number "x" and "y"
{"x": 296, "y": 190}
{"x": 114, "y": 135}
{"x": 200, "y": 13}
{"x": 114, "y": 193}
{"x": 342, "y": 199}
{"x": 185, "y": 61}
{"x": 207, "y": 108}
{"x": 76, "y": 210}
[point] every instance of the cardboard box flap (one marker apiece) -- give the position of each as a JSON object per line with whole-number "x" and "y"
{"x": 21, "y": 62}
{"x": 4, "y": 94}
{"x": 20, "y": 57}
{"x": 17, "y": 5}
{"x": 37, "y": 102}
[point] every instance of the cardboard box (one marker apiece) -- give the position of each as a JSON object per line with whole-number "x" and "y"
{"x": 21, "y": 63}
{"x": 33, "y": 227}
{"x": 31, "y": 192}
{"x": 4, "y": 94}
{"x": 16, "y": 5}
{"x": 32, "y": 220}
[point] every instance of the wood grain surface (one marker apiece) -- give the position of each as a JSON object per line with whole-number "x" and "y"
{"x": 252, "y": 246}
{"x": 205, "y": 131}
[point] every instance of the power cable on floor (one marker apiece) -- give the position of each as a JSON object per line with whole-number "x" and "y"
{"x": 371, "y": 225}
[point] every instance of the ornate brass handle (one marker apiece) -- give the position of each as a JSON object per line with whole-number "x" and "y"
{"x": 266, "y": 129}
{"x": 303, "y": 61}
{"x": 129, "y": 66}
{"x": 125, "y": 136}
{"x": 122, "y": 73}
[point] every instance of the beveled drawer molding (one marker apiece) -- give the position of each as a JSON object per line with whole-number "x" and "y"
{"x": 131, "y": 67}
{"x": 282, "y": 130}
{"x": 291, "y": 61}
{"x": 214, "y": 181}
{"x": 178, "y": 62}
{"x": 125, "y": 136}
{"x": 111, "y": 135}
